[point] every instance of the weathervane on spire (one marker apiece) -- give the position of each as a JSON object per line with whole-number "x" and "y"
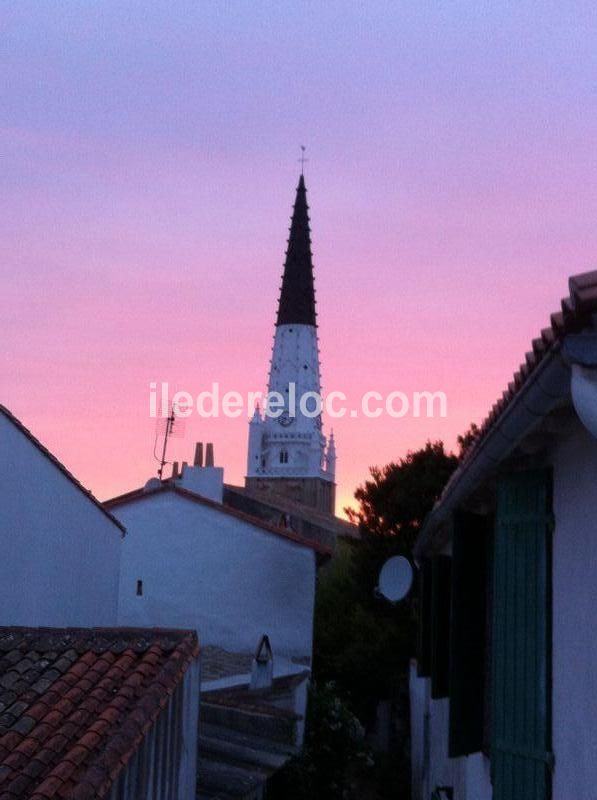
{"x": 302, "y": 159}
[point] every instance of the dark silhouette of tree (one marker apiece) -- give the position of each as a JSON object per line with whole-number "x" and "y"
{"x": 362, "y": 644}
{"x": 466, "y": 440}
{"x": 398, "y": 497}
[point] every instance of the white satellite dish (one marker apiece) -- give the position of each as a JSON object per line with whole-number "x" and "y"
{"x": 395, "y": 579}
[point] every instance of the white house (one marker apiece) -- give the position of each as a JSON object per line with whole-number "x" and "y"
{"x": 189, "y": 561}
{"x": 503, "y": 699}
{"x": 60, "y": 548}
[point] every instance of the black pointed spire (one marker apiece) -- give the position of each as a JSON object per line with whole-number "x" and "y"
{"x": 297, "y": 297}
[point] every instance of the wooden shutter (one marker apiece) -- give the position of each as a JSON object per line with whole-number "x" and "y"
{"x": 424, "y": 633}
{"x": 440, "y": 626}
{"x": 468, "y": 633}
{"x": 521, "y": 646}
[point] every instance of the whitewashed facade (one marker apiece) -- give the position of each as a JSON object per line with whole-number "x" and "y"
{"x": 191, "y": 562}
{"x": 61, "y": 551}
{"x": 537, "y": 719}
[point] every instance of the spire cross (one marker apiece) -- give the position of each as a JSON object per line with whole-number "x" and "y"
{"x": 302, "y": 160}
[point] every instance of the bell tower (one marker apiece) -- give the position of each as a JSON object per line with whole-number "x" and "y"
{"x": 288, "y": 453}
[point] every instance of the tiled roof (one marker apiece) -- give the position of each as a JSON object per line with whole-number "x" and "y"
{"x": 217, "y": 663}
{"x": 26, "y": 432}
{"x": 283, "y": 504}
{"x": 285, "y": 533}
{"x": 492, "y": 442}
{"x": 76, "y": 703}
{"x": 575, "y": 315}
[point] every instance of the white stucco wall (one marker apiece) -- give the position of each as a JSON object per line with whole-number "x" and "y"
{"x": 574, "y": 687}
{"x": 60, "y": 554}
{"x": 205, "y": 569}
{"x": 574, "y": 694}
{"x": 431, "y": 766}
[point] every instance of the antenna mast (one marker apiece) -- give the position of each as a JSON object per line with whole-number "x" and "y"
{"x": 169, "y": 428}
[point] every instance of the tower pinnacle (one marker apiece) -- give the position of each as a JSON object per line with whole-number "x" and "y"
{"x": 288, "y": 453}
{"x": 297, "y": 296}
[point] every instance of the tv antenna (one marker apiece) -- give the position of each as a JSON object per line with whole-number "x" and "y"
{"x": 167, "y": 426}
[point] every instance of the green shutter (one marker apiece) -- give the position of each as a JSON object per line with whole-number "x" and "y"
{"x": 440, "y": 626}
{"x": 424, "y": 638}
{"x": 521, "y": 646}
{"x": 468, "y": 633}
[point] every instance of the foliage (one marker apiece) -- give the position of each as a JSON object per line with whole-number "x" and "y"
{"x": 335, "y": 756}
{"x": 466, "y": 440}
{"x": 400, "y": 495}
{"x": 362, "y": 644}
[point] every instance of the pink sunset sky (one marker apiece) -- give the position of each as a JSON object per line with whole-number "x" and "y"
{"x": 149, "y": 163}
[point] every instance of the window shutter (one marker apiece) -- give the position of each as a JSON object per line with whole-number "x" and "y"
{"x": 424, "y": 633}
{"x": 521, "y": 760}
{"x": 468, "y": 633}
{"x": 440, "y": 626}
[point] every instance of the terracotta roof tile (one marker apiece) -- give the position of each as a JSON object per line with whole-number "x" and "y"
{"x": 92, "y": 695}
{"x": 575, "y": 314}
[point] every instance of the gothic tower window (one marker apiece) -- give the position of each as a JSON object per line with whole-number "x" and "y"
{"x": 283, "y": 456}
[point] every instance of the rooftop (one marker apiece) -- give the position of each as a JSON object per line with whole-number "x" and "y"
{"x": 514, "y": 415}
{"x": 168, "y": 486}
{"x": 76, "y": 703}
{"x": 575, "y": 315}
{"x": 51, "y": 457}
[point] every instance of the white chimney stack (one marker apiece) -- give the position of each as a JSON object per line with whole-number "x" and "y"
{"x": 206, "y": 481}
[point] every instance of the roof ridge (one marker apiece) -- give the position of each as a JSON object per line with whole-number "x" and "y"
{"x": 575, "y": 313}
{"x": 285, "y": 533}
{"x": 57, "y": 463}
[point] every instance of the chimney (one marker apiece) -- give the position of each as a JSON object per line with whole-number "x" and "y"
{"x": 203, "y": 479}
{"x": 175, "y": 469}
{"x": 262, "y": 672}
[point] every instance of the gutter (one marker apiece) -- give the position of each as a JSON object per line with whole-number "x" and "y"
{"x": 546, "y": 387}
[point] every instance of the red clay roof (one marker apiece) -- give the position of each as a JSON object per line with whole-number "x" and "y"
{"x": 576, "y": 313}
{"x": 18, "y": 424}
{"x": 76, "y": 703}
{"x": 285, "y": 533}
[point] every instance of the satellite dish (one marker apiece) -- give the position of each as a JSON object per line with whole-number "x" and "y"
{"x": 395, "y": 579}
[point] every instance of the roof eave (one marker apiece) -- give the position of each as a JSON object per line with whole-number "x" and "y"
{"x": 545, "y": 389}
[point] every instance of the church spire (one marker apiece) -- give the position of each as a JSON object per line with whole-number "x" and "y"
{"x": 297, "y": 297}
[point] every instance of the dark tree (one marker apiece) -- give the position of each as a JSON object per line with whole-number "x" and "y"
{"x": 466, "y": 440}
{"x": 398, "y": 497}
{"x": 362, "y": 643}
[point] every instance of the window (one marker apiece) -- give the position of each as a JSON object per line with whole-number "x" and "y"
{"x": 283, "y": 456}
{"x": 139, "y": 588}
{"x": 424, "y": 639}
{"x": 469, "y": 637}
{"x": 441, "y": 578}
